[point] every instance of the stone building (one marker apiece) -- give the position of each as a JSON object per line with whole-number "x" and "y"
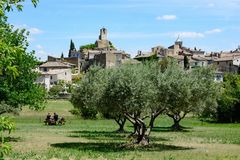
{"x": 102, "y": 43}
{"x": 53, "y": 72}
{"x": 227, "y": 62}
{"x": 105, "y": 54}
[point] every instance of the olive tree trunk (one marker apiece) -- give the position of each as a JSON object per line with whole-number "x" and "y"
{"x": 176, "y": 119}
{"x": 121, "y": 120}
{"x": 141, "y": 131}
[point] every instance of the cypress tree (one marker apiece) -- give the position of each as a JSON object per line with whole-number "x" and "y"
{"x": 72, "y": 48}
{"x": 186, "y": 62}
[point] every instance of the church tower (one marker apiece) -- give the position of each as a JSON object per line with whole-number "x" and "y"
{"x": 103, "y": 34}
{"x": 102, "y": 43}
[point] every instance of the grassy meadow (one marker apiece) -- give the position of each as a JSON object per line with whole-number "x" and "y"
{"x": 95, "y": 139}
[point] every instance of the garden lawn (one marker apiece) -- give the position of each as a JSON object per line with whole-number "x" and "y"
{"x": 95, "y": 139}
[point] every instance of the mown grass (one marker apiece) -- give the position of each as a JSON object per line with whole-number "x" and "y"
{"x": 96, "y": 139}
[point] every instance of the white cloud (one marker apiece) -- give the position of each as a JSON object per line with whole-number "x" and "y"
{"x": 39, "y": 47}
{"x": 166, "y": 17}
{"x": 33, "y": 30}
{"x": 197, "y": 34}
{"x": 189, "y": 34}
{"x": 41, "y": 54}
{"x": 216, "y": 30}
{"x": 210, "y": 5}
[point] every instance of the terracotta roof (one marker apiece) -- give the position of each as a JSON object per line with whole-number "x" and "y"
{"x": 178, "y": 57}
{"x": 55, "y": 64}
{"x": 228, "y": 58}
{"x": 199, "y": 58}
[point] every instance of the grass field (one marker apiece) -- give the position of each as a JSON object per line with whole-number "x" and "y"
{"x": 95, "y": 139}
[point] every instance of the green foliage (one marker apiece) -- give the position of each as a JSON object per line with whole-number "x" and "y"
{"x": 111, "y": 45}
{"x": 72, "y": 46}
{"x": 85, "y": 95}
{"x": 55, "y": 90}
{"x": 75, "y": 112}
{"x": 6, "y": 124}
{"x": 186, "y": 62}
{"x": 91, "y": 139}
{"x": 88, "y": 46}
{"x": 8, "y": 5}
{"x": 188, "y": 91}
{"x": 17, "y": 85}
{"x": 229, "y": 103}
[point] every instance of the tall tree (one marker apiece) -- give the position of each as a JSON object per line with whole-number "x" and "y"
{"x": 188, "y": 92}
{"x": 17, "y": 76}
{"x": 72, "y": 48}
{"x": 229, "y": 102}
{"x": 186, "y": 62}
{"x": 62, "y": 55}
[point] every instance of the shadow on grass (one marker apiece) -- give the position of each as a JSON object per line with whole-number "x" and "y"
{"x": 104, "y": 135}
{"x": 97, "y": 134}
{"x": 116, "y": 147}
{"x": 12, "y": 139}
{"x": 170, "y": 129}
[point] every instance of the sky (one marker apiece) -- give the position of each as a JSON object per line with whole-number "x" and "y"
{"x": 210, "y": 25}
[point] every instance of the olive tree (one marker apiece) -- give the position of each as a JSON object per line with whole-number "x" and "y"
{"x": 188, "y": 91}
{"x": 86, "y": 94}
{"x": 128, "y": 91}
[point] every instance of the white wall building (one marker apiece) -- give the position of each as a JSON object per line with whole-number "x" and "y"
{"x": 53, "y": 72}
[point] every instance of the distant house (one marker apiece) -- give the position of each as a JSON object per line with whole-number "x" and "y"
{"x": 228, "y": 62}
{"x": 198, "y": 61}
{"x": 142, "y": 56}
{"x": 53, "y": 72}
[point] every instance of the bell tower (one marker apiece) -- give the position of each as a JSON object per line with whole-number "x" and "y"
{"x": 103, "y": 34}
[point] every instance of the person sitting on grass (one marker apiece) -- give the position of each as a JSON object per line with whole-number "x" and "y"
{"x": 62, "y": 121}
{"x": 48, "y": 117}
{"x": 55, "y": 117}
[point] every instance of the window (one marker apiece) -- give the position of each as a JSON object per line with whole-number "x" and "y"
{"x": 45, "y": 69}
{"x": 51, "y": 77}
{"x": 65, "y": 73}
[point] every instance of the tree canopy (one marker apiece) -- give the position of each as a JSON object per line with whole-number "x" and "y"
{"x": 145, "y": 90}
{"x": 17, "y": 75}
{"x": 229, "y": 102}
{"x": 8, "y": 5}
{"x": 88, "y": 46}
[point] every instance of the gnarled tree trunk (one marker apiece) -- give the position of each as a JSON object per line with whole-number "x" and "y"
{"x": 176, "y": 119}
{"x": 140, "y": 129}
{"x": 121, "y": 120}
{"x": 154, "y": 115}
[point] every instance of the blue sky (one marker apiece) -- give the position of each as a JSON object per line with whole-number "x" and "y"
{"x": 212, "y": 25}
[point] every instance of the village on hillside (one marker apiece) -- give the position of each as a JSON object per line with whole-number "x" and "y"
{"x": 104, "y": 53}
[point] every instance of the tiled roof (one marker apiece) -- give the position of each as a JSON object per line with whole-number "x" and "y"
{"x": 55, "y": 64}
{"x": 228, "y": 58}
